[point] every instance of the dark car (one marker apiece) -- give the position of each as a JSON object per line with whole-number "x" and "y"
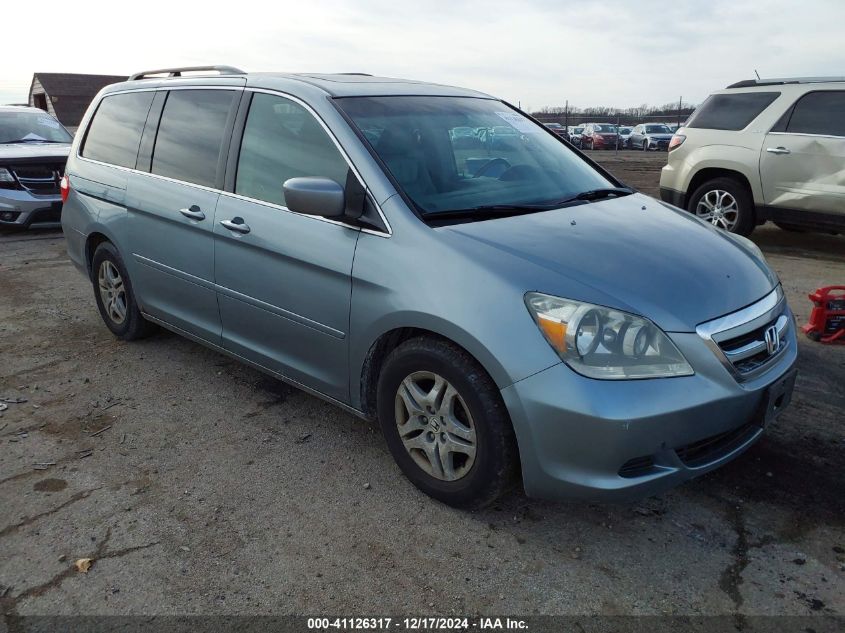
{"x": 33, "y": 151}
{"x": 599, "y": 136}
{"x": 648, "y": 136}
{"x": 558, "y": 129}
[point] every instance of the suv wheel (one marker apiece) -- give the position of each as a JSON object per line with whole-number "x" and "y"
{"x": 113, "y": 292}
{"x": 445, "y": 423}
{"x": 725, "y": 203}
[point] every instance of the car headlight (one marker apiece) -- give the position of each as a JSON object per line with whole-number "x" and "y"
{"x": 604, "y": 343}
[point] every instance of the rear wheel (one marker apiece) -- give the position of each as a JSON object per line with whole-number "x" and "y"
{"x": 725, "y": 203}
{"x": 114, "y": 296}
{"x": 445, "y": 423}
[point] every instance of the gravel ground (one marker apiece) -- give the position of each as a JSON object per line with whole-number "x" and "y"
{"x": 198, "y": 485}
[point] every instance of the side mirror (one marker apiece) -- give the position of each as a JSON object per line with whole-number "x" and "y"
{"x": 315, "y": 196}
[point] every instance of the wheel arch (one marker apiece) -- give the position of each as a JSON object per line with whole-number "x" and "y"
{"x": 92, "y": 241}
{"x": 391, "y": 339}
{"x": 711, "y": 173}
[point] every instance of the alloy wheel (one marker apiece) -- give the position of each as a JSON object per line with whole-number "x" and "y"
{"x": 435, "y": 426}
{"x": 112, "y": 292}
{"x": 719, "y": 208}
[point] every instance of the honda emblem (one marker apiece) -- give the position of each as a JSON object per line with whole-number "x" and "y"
{"x": 772, "y": 340}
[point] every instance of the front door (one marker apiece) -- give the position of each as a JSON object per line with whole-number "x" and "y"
{"x": 284, "y": 279}
{"x": 802, "y": 162}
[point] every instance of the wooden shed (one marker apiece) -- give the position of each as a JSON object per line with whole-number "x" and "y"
{"x": 67, "y": 95}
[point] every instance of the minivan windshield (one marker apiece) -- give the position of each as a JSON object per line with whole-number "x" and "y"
{"x": 26, "y": 126}
{"x": 657, "y": 129}
{"x": 507, "y": 161}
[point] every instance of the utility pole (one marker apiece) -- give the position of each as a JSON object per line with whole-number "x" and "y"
{"x": 680, "y": 105}
{"x": 566, "y": 117}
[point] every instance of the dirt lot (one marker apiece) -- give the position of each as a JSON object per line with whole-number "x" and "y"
{"x": 198, "y": 485}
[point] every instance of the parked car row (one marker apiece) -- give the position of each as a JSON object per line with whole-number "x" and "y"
{"x": 645, "y": 136}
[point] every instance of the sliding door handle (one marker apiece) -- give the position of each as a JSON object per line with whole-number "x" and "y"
{"x": 236, "y": 224}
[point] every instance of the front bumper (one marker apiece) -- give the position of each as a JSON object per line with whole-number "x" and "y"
{"x": 619, "y": 441}
{"x": 22, "y": 209}
{"x": 673, "y": 197}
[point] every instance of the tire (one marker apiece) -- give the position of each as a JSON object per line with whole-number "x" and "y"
{"x": 792, "y": 228}
{"x": 105, "y": 264}
{"x": 470, "y": 413}
{"x": 741, "y": 222}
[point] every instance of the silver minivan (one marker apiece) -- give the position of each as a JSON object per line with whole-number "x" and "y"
{"x": 433, "y": 258}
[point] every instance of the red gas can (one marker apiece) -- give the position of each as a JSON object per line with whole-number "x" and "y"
{"x": 827, "y": 320}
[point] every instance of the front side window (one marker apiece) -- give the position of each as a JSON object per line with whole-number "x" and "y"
{"x": 115, "y": 131}
{"x": 509, "y": 160}
{"x": 820, "y": 113}
{"x": 730, "y": 111}
{"x": 31, "y": 126}
{"x": 282, "y": 140}
{"x": 190, "y": 135}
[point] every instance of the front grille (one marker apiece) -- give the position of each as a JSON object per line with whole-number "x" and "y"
{"x": 747, "y": 342}
{"x": 40, "y": 179}
{"x": 749, "y": 351}
{"x": 711, "y": 448}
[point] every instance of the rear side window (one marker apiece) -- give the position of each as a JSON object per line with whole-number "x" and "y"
{"x": 819, "y": 113}
{"x": 731, "y": 111}
{"x": 115, "y": 131}
{"x": 283, "y": 140}
{"x": 190, "y": 135}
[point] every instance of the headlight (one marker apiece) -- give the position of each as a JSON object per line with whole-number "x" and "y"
{"x": 7, "y": 181}
{"x": 600, "y": 342}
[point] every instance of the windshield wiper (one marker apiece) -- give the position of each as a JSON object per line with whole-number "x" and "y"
{"x": 487, "y": 211}
{"x": 594, "y": 194}
{"x": 28, "y": 140}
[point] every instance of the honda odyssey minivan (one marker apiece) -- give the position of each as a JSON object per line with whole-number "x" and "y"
{"x": 508, "y": 311}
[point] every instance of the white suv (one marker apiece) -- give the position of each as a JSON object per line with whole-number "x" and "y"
{"x": 763, "y": 150}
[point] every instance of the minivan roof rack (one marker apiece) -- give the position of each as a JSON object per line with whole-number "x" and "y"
{"x": 177, "y": 72}
{"x": 748, "y": 83}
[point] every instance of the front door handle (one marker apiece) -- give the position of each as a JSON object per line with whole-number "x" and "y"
{"x": 777, "y": 150}
{"x": 236, "y": 224}
{"x": 193, "y": 212}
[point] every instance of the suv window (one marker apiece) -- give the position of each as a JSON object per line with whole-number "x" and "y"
{"x": 283, "y": 140}
{"x": 190, "y": 135}
{"x": 731, "y": 111}
{"x": 115, "y": 131}
{"x": 819, "y": 113}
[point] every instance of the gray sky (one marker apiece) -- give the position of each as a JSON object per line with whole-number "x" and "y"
{"x": 540, "y": 52}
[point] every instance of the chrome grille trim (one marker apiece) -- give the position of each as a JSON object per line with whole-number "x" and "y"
{"x": 743, "y": 361}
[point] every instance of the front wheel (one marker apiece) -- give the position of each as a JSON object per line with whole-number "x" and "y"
{"x": 445, "y": 423}
{"x": 725, "y": 203}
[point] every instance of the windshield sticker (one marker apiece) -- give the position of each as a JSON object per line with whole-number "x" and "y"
{"x": 49, "y": 122}
{"x": 519, "y": 122}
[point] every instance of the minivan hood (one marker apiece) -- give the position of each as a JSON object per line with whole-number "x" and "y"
{"x": 26, "y": 152}
{"x": 631, "y": 253}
